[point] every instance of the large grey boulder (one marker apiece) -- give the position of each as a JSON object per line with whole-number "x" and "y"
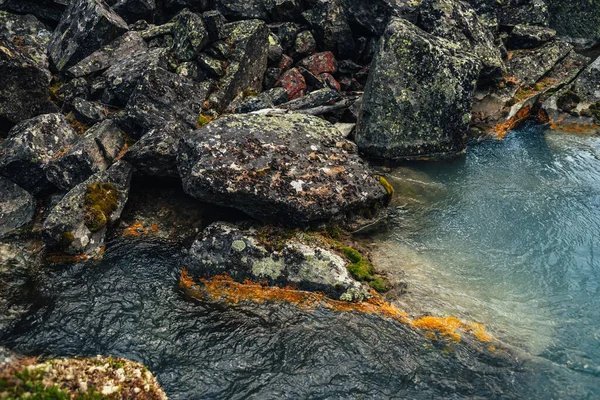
{"x": 94, "y": 152}
{"x": 85, "y": 27}
{"x": 248, "y": 62}
{"x": 456, "y": 21}
{"x": 418, "y": 97}
{"x": 16, "y": 207}
{"x": 78, "y": 223}
{"x": 290, "y": 168}
{"x": 30, "y": 146}
{"x": 246, "y": 254}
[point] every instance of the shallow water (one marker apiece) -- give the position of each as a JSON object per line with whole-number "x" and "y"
{"x": 509, "y": 236}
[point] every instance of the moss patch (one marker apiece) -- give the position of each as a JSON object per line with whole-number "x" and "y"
{"x": 361, "y": 269}
{"x": 101, "y": 200}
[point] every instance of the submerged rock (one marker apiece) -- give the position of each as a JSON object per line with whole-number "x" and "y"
{"x": 31, "y": 145}
{"x": 290, "y": 168}
{"x": 77, "y": 224}
{"x": 418, "y": 97}
{"x": 16, "y": 207}
{"x": 247, "y": 254}
{"x": 85, "y": 27}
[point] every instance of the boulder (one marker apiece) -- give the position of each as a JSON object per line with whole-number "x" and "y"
{"x": 246, "y": 254}
{"x": 94, "y": 152}
{"x": 527, "y": 12}
{"x": 30, "y": 146}
{"x": 86, "y": 26}
{"x": 527, "y": 67}
{"x": 78, "y": 223}
{"x": 24, "y": 85}
{"x": 576, "y": 21}
{"x": 331, "y": 28}
{"x": 16, "y": 207}
{"x": 456, "y": 21}
{"x": 418, "y": 97}
{"x": 320, "y": 63}
{"x": 45, "y": 10}
{"x": 528, "y": 37}
{"x": 488, "y": 11}
{"x": 134, "y": 10}
{"x": 214, "y": 22}
{"x": 305, "y": 44}
{"x": 242, "y": 9}
{"x": 248, "y": 62}
{"x": 374, "y": 16}
{"x": 314, "y": 99}
{"x": 88, "y": 112}
{"x": 163, "y": 97}
{"x": 284, "y": 10}
{"x": 28, "y": 34}
{"x": 290, "y": 168}
{"x": 189, "y": 35}
{"x": 293, "y": 82}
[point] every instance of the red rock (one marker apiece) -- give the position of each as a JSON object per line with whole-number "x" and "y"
{"x": 330, "y": 81}
{"x": 320, "y": 63}
{"x": 293, "y": 82}
{"x": 286, "y": 62}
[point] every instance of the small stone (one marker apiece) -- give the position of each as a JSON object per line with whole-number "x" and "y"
{"x": 305, "y": 44}
{"x": 293, "y": 82}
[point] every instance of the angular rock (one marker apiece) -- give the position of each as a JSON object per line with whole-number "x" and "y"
{"x": 529, "y": 66}
{"x": 134, "y": 10}
{"x": 314, "y": 99}
{"x": 85, "y": 27}
{"x": 250, "y": 42}
{"x": 155, "y": 154}
{"x": 287, "y": 32}
{"x": 94, "y": 152}
{"x": 28, "y": 34}
{"x": 191, "y": 70}
{"x": 284, "y": 10}
{"x": 375, "y": 15}
{"x": 576, "y": 21}
{"x": 272, "y": 75}
{"x": 45, "y": 10}
{"x": 240, "y": 253}
{"x": 255, "y": 103}
{"x": 173, "y": 6}
{"x": 293, "y": 82}
{"x": 24, "y": 86}
{"x": 290, "y": 168}
{"x": 31, "y": 145}
{"x": 16, "y": 207}
{"x": 528, "y": 37}
{"x": 488, "y": 11}
{"x": 163, "y": 97}
{"x": 189, "y": 35}
{"x": 124, "y": 47}
{"x": 456, "y": 21}
{"x": 275, "y": 51}
{"x": 242, "y": 9}
{"x": 313, "y": 82}
{"x": 87, "y": 112}
{"x": 214, "y": 22}
{"x": 331, "y": 28}
{"x": 212, "y": 67}
{"x": 418, "y": 97}
{"x": 305, "y": 44}
{"x": 320, "y": 63}
{"x": 527, "y": 12}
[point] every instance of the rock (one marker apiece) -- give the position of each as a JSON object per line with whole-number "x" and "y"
{"x": 212, "y": 67}
{"x": 320, "y": 63}
{"x": 293, "y": 82}
{"x": 374, "y": 16}
{"x": 331, "y": 82}
{"x": 418, "y": 97}
{"x": 456, "y": 21}
{"x": 275, "y": 51}
{"x": 287, "y": 32}
{"x": 528, "y": 37}
{"x": 219, "y": 50}
{"x": 331, "y": 28}
{"x": 134, "y": 10}
{"x": 243, "y": 254}
{"x": 127, "y": 46}
{"x": 488, "y": 11}
{"x": 527, "y": 12}
{"x": 284, "y": 10}
{"x": 278, "y": 96}
{"x": 28, "y": 34}
{"x": 242, "y": 9}
{"x": 45, "y": 10}
{"x": 290, "y": 168}
{"x": 87, "y": 112}
{"x": 576, "y": 21}
{"x": 189, "y": 36}
{"x": 174, "y": 6}
{"x": 68, "y": 92}
{"x": 30, "y": 146}
{"x": 155, "y": 154}
{"x": 255, "y": 103}
{"x": 313, "y": 82}
{"x": 16, "y": 207}
{"x": 286, "y": 63}
{"x": 94, "y": 152}
{"x": 271, "y": 77}
{"x": 86, "y": 26}
{"x": 250, "y": 43}
{"x": 78, "y": 223}
{"x": 314, "y": 99}
{"x": 305, "y": 44}
{"x": 214, "y": 22}
{"x": 163, "y": 97}
{"x": 529, "y": 66}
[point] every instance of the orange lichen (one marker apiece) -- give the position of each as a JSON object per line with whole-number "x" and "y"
{"x": 502, "y": 129}
{"x": 224, "y": 288}
{"x": 137, "y": 230}
{"x": 571, "y": 127}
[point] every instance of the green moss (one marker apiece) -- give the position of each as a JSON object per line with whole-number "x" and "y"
{"x": 361, "y": 269}
{"x": 379, "y": 285}
{"x": 66, "y": 239}
{"x": 386, "y": 185}
{"x": 203, "y": 120}
{"x": 351, "y": 254}
{"x": 101, "y": 200}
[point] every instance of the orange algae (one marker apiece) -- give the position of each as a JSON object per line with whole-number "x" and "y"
{"x": 224, "y": 288}
{"x": 502, "y": 129}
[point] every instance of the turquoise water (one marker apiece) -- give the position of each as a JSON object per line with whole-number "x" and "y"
{"x": 509, "y": 236}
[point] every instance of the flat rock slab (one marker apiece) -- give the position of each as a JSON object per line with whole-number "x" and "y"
{"x": 290, "y": 168}
{"x": 243, "y": 254}
{"x": 16, "y": 207}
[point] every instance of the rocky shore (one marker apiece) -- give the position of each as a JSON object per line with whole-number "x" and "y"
{"x": 265, "y": 113}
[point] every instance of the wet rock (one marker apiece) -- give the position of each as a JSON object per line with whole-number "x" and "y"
{"x": 418, "y": 97}
{"x": 214, "y": 22}
{"x": 78, "y": 223}
{"x": 320, "y": 63}
{"x": 94, "y": 152}
{"x": 290, "y": 168}
{"x": 155, "y": 154}
{"x": 86, "y": 26}
{"x": 293, "y": 82}
{"x": 87, "y": 112}
{"x": 305, "y": 44}
{"x": 314, "y": 99}
{"x": 45, "y": 10}
{"x": 30, "y": 146}
{"x": 528, "y": 37}
{"x": 250, "y": 42}
{"x": 527, "y": 12}
{"x": 24, "y": 85}
{"x": 16, "y": 207}
{"x": 456, "y": 21}
{"x": 124, "y": 47}
{"x": 331, "y": 28}
{"x": 374, "y": 16}
{"x": 242, "y": 9}
{"x": 163, "y": 97}
{"x": 134, "y": 10}
{"x": 28, "y": 34}
{"x": 529, "y": 66}
{"x": 189, "y": 36}
{"x": 243, "y": 254}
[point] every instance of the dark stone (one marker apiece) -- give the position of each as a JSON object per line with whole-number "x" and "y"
{"x": 28, "y": 34}
{"x": 576, "y": 21}
{"x": 313, "y": 82}
{"x": 45, "y": 10}
{"x": 191, "y": 70}
{"x": 214, "y": 22}
{"x": 373, "y": 16}
{"x": 287, "y": 32}
{"x": 331, "y": 82}
{"x": 272, "y": 75}
{"x": 74, "y": 88}
{"x": 305, "y": 44}
{"x": 314, "y": 99}
{"x": 291, "y": 168}
{"x": 286, "y": 63}
{"x": 219, "y": 50}
{"x": 320, "y": 63}
{"x": 488, "y": 11}
{"x": 228, "y": 249}
{"x": 255, "y": 103}
{"x": 212, "y": 67}
{"x": 275, "y": 51}
{"x": 94, "y": 152}
{"x": 29, "y": 148}
{"x": 174, "y": 6}
{"x": 134, "y": 10}
{"x": 87, "y": 112}
{"x": 293, "y": 82}
{"x": 284, "y": 10}
{"x": 418, "y": 98}
{"x": 163, "y": 97}
{"x": 65, "y": 229}
{"x": 86, "y": 26}
{"x": 529, "y": 66}
{"x": 278, "y": 96}
{"x": 330, "y": 26}
{"x": 189, "y": 35}
{"x": 242, "y": 9}
{"x": 526, "y": 12}
{"x": 16, "y": 207}
{"x": 528, "y": 37}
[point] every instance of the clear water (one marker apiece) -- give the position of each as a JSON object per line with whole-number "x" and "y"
{"x": 509, "y": 236}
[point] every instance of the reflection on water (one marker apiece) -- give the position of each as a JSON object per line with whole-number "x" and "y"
{"x": 508, "y": 236}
